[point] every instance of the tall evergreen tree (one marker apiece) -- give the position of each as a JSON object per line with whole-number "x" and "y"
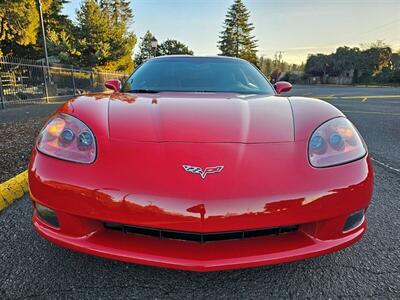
{"x": 145, "y": 50}
{"x": 236, "y": 39}
{"x": 121, "y": 40}
{"x": 52, "y": 15}
{"x": 105, "y": 43}
{"x": 170, "y": 47}
{"x": 120, "y": 11}
{"x": 93, "y": 25}
{"x": 58, "y": 28}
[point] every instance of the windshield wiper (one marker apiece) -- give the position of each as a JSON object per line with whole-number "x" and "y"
{"x": 143, "y": 91}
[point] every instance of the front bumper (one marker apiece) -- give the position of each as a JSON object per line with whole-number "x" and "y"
{"x": 94, "y": 239}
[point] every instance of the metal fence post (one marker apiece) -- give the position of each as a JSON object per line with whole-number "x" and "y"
{"x": 46, "y": 94}
{"x": 92, "y": 80}
{"x": 73, "y": 80}
{"x": 2, "y": 100}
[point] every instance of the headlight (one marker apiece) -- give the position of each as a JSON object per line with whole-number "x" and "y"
{"x": 66, "y": 137}
{"x": 335, "y": 142}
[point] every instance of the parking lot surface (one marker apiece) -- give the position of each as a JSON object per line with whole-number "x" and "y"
{"x": 31, "y": 267}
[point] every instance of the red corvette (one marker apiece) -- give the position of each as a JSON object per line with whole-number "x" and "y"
{"x": 198, "y": 163}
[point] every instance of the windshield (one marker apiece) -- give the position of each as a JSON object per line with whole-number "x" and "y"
{"x": 198, "y": 75}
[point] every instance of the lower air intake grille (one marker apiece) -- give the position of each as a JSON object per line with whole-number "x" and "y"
{"x": 200, "y": 237}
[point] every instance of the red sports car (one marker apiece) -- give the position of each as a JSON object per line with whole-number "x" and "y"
{"x": 198, "y": 163}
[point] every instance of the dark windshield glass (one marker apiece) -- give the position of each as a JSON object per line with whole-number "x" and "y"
{"x": 198, "y": 75}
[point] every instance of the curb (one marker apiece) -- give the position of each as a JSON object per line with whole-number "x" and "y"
{"x": 13, "y": 189}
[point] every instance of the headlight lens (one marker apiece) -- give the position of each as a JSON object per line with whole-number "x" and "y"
{"x": 66, "y": 137}
{"x": 335, "y": 142}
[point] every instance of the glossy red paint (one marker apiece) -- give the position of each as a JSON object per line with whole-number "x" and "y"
{"x": 282, "y": 87}
{"x": 217, "y": 118}
{"x": 113, "y": 84}
{"x": 138, "y": 179}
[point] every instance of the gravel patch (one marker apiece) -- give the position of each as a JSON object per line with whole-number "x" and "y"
{"x": 19, "y": 127}
{"x": 16, "y": 142}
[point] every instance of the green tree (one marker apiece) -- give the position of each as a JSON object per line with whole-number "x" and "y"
{"x": 345, "y": 59}
{"x": 121, "y": 40}
{"x": 170, "y": 47}
{"x": 20, "y": 31}
{"x": 19, "y": 23}
{"x": 279, "y": 63}
{"x": 236, "y": 39}
{"x": 53, "y": 19}
{"x": 59, "y": 30}
{"x": 296, "y": 67}
{"x": 318, "y": 65}
{"x": 273, "y": 68}
{"x": 104, "y": 41}
{"x": 101, "y": 38}
{"x": 145, "y": 50}
{"x": 265, "y": 65}
{"x": 63, "y": 44}
{"x": 372, "y": 64}
{"x": 376, "y": 58}
{"x": 92, "y": 35}
{"x": 119, "y": 10}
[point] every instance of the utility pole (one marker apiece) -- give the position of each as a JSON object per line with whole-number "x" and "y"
{"x": 44, "y": 35}
{"x": 46, "y": 73}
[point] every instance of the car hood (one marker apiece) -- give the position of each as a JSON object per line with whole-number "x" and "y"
{"x": 200, "y": 117}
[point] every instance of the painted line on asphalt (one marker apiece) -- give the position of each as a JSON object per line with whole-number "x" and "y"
{"x": 324, "y": 97}
{"x": 371, "y": 112}
{"x": 13, "y": 189}
{"x": 330, "y": 97}
{"x": 385, "y": 165}
{"x": 371, "y": 96}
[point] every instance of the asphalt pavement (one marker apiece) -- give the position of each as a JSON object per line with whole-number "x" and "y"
{"x": 31, "y": 267}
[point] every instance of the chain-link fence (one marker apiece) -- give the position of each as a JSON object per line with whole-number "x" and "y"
{"x": 29, "y": 81}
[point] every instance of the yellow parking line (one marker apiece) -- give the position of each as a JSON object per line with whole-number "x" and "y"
{"x": 371, "y": 112}
{"x": 371, "y": 96}
{"x": 13, "y": 189}
{"x": 323, "y": 97}
{"x": 358, "y": 97}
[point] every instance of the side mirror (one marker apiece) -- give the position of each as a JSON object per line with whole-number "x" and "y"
{"x": 282, "y": 87}
{"x": 113, "y": 84}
